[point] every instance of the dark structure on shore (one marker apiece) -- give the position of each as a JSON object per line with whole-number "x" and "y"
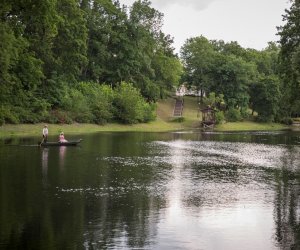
{"x": 208, "y": 117}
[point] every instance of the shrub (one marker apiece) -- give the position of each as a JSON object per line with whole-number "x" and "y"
{"x": 59, "y": 116}
{"x": 179, "y": 119}
{"x": 129, "y": 105}
{"x": 77, "y": 105}
{"x": 220, "y": 117}
{"x": 7, "y": 116}
{"x": 287, "y": 120}
{"x": 149, "y": 112}
{"x": 233, "y": 115}
{"x": 35, "y": 110}
{"x": 99, "y": 99}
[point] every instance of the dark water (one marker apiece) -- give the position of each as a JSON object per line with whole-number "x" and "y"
{"x": 152, "y": 191}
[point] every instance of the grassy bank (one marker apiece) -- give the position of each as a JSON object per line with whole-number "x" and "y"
{"x": 164, "y": 122}
{"x": 55, "y": 129}
{"x": 248, "y": 125}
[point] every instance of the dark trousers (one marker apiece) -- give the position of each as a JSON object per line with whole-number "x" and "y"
{"x": 45, "y": 137}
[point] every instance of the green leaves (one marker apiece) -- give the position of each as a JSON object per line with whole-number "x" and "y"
{"x": 130, "y": 105}
{"x": 245, "y": 77}
{"x": 48, "y": 46}
{"x": 265, "y": 96}
{"x": 289, "y": 60}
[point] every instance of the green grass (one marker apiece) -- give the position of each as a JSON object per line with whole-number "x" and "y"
{"x": 190, "y": 112}
{"x": 248, "y": 125}
{"x": 55, "y": 129}
{"x": 164, "y": 122}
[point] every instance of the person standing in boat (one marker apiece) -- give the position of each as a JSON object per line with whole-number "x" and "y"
{"x": 62, "y": 137}
{"x": 45, "y": 133}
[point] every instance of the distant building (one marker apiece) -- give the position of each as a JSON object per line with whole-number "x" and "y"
{"x": 182, "y": 90}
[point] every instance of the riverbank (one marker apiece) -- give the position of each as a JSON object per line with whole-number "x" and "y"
{"x": 164, "y": 122}
{"x": 250, "y": 126}
{"x": 55, "y": 129}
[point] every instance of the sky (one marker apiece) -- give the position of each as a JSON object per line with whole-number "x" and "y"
{"x": 252, "y": 23}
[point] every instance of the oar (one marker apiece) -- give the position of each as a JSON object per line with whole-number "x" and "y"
{"x": 42, "y": 141}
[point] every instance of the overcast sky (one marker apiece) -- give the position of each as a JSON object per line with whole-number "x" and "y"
{"x": 252, "y": 23}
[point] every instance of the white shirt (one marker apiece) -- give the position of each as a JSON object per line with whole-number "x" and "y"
{"x": 45, "y": 131}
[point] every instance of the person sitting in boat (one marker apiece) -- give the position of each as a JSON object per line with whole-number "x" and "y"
{"x": 62, "y": 137}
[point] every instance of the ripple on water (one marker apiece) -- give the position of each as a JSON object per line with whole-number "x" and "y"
{"x": 207, "y": 171}
{"x": 203, "y": 153}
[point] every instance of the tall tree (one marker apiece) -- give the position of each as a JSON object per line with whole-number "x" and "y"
{"x": 265, "y": 96}
{"x": 290, "y": 58}
{"x": 198, "y": 55}
{"x": 70, "y": 43}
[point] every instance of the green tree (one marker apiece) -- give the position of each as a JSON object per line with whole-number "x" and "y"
{"x": 289, "y": 60}
{"x": 232, "y": 77}
{"x": 130, "y": 106}
{"x": 265, "y": 96}
{"x": 198, "y": 57}
{"x": 70, "y": 43}
{"x": 158, "y": 69}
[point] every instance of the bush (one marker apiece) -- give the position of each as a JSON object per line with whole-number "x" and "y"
{"x": 7, "y": 116}
{"x": 99, "y": 99}
{"x": 130, "y": 107}
{"x": 233, "y": 115}
{"x": 35, "y": 110}
{"x": 220, "y": 117}
{"x": 287, "y": 120}
{"x": 59, "y": 116}
{"x": 101, "y": 105}
{"x": 179, "y": 119}
{"x": 149, "y": 112}
{"x": 77, "y": 105}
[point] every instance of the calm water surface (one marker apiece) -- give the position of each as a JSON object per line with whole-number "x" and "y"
{"x": 152, "y": 191}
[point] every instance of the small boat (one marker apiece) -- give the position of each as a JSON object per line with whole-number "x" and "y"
{"x": 68, "y": 143}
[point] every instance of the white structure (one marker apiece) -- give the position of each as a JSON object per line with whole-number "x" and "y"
{"x": 182, "y": 90}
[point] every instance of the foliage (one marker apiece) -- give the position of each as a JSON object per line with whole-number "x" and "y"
{"x": 265, "y": 95}
{"x": 49, "y": 47}
{"x": 198, "y": 58}
{"x": 289, "y": 60}
{"x": 100, "y": 101}
{"x": 233, "y": 115}
{"x": 243, "y": 77}
{"x": 7, "y": 116}
{"x": 129, "y": 105}
{"x": 220, "y": 117}
{"x": 64, "y": 61}
{"x": 214, "y": 101}
{"x": 179, "y": 119}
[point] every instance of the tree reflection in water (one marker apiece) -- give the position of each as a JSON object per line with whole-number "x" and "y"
{"x": 287, "y": 203}
{"x": 45, "y": 165}
{"x": 144, "y": 191}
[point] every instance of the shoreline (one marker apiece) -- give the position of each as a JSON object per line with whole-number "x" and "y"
{"x": 20, "y": 130}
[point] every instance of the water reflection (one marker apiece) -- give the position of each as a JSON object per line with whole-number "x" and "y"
{"x": 232, "y": 182}
{"x": 153, "y": 191}
{"x": 45, "y": 160}
{"x": 62, "y": 153}
{"x": 287, "y": 203}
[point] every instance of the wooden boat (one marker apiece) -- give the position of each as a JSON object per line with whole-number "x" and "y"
{"x": 68, "y": 143}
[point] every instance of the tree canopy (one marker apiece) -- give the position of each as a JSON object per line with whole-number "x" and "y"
{"x": 57, "y": 55}
{"x": 49, "y": 46}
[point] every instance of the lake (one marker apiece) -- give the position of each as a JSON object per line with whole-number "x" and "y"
{"x": 181, "y": 190}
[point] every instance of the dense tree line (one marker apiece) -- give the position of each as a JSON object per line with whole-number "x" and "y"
{"x": 245, "y": 78}
{"x": 74, "y": 60}
{"x": 48, "y": 47}
{"x": 290, "y": 60}
{"x": 266, "y": 82}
